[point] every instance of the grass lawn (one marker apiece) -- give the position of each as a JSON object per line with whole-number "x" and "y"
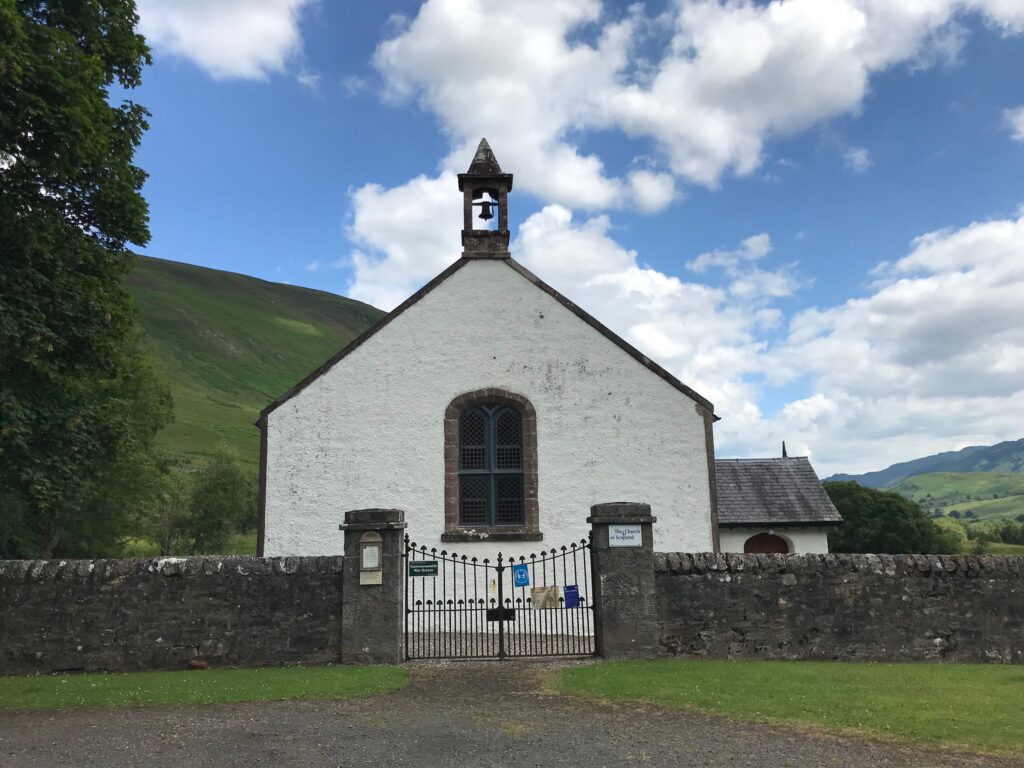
{"x": 961, "y": 706}
{"x": 197, "y": 686}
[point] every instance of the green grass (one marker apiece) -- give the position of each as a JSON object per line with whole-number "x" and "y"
{"x": 210, "y": 686}
{"x": 242, "y": 544}
{"x": 229, "y": 344}
{"x": 959, "y": 706}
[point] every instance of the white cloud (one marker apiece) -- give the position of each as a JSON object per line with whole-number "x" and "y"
{"x": 534, "y": 75}
{"x": 857, "y": 159}
{"x": 246, "y": 39}
{"x": 651, "y": 191}
{"x": 507, "y": 71}
{"x": 308, "y": 80}
{"x": 1015, "y": 120}
{"x": 748, "y": 282}
{"x": 751, "y": 249}
{"x": 405, "y": 234}
{"x": 932, "y": 358}
{"x": 353, "y": 85}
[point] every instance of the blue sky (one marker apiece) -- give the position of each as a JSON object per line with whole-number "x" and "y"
{"x": 809, "y": 210}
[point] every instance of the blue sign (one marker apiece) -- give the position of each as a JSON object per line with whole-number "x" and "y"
{"x": 572, "y": 596}
{"x": 521, "y": 575}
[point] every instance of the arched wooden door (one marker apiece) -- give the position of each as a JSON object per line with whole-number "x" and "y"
{"x": 765, "y": 544}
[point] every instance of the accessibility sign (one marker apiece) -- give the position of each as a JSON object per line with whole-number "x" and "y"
{"x": 521, "y": 575}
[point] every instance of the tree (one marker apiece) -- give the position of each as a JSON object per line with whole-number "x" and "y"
{"x": 1012, "y": 532}
{"x": 164, "y": 518}
{"x": 884, "y": 522}
{"x": 223, "y": 500}
{"x": 79, "y": 403}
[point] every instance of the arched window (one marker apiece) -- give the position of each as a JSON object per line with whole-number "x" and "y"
{"x": 491, "y": 468}
{"x": 765, "y": 544}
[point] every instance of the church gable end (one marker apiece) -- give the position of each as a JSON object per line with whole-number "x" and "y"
{"x": 486, "y": 187}
{"x": 489, "y": 358}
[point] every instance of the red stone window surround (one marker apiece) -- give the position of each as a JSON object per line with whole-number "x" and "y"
{"x": 530, "y": 531}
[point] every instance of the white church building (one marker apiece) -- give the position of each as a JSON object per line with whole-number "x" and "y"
{"x": 495, "y": 412}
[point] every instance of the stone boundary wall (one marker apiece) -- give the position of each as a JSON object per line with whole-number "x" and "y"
{"x": 167, "y": 613}
{"x": 851, "y": 607}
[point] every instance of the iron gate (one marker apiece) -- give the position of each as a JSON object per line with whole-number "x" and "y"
{"x": 459, "y": 607}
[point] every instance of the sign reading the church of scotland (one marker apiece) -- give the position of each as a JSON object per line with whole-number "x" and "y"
{"x": 423, "y": 567}
{"x": 624, "y": 536}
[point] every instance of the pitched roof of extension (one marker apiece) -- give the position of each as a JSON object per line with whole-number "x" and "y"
{"x": 513, "y": 264}
{"x": 782, "y": 491}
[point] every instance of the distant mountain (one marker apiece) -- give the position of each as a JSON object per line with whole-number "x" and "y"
{"x": 229, "y": 344}
{"x": 1002, "y": 457}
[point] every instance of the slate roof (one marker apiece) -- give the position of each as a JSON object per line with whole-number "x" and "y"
{"x": 782, "y": 491}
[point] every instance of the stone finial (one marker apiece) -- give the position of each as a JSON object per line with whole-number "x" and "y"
{"x": 484, "y": 162}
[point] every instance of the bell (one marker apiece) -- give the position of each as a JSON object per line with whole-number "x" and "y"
{"x": 485, "y": 209}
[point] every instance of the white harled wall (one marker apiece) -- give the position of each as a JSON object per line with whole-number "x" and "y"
{"x": 802, "y": 540}
{"x": 369, "y": 432}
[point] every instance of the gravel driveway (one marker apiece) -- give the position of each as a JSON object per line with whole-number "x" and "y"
{"x": 467, "y": 714}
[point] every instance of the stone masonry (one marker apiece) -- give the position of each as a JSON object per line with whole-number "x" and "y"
{"x": 625, "y": 616}
{"x": 122, "y": 615}
{"x": 373, "y": 614}
{"x": 850, "y": 607}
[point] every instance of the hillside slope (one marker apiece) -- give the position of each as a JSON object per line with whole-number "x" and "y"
{"x": 228, "y": 344}
{"x": 989, "y": 495}
{"x": 1002, "y": 457}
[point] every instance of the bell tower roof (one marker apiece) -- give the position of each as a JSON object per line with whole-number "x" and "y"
{"x": 484, "y": 162}
{"x": 485, "y": 166}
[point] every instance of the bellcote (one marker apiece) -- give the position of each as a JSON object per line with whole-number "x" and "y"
{"x": 484, "y": 187}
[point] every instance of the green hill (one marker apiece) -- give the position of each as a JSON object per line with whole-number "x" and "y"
{"x": 951, "y": 487}
{"x": 1003, "y": 457}
{"x": 1006, "y": 508}
{"x": 990, "y": 495}
{"x": 229, "y": 344}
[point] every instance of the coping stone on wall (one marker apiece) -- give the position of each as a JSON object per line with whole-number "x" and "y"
{"x": 890, "y": 565}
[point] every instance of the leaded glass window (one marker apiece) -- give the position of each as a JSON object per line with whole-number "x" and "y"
{"x": 491, "y": 467}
